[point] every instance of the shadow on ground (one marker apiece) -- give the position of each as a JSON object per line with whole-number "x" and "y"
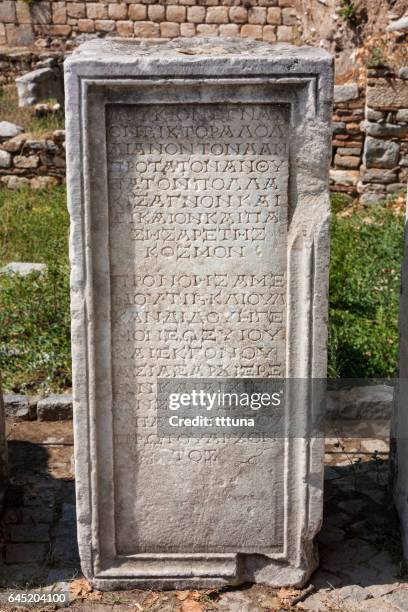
{"x": 360, "y": 566}
{"x": 39, "y": 523}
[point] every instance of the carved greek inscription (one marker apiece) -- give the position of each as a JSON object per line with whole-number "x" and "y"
{"x": 204, "y": 188}
{"x": 198, "y": 222}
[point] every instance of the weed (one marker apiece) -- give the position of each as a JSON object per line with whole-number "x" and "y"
{"x": 348, "y": 11}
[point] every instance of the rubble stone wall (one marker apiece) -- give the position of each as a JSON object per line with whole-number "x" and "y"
{"x": 370, "y": 136}
{"x": 35, "y": 162}
{"x": 21, "y": 23}
{"x": 385, "y": 157}
{"x": 15, "y": 63}
{"x": 348, "y": 137}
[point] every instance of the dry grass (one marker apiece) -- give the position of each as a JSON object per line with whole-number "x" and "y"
{"x": 25, "y": 117}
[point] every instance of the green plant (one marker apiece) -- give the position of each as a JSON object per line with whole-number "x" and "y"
{"x": 45, "y": 123}
{"x": 340, "y": 201}
{"x": 34, "y": 311}
{"x": 33, "y": 225}
{"x": 366, "y": 255}
{"x": 34, "y": 330}
{"x": 376, "y": 58}
{"x": 348, "y": 11}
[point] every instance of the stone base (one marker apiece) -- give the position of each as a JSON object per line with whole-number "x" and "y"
{"x": 270, "y": 574}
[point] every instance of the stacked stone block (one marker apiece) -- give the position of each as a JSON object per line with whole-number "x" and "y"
{"x": 27, "y": 161}
{"x": 14, "y": 63}
{"x": 347, "y": 143}
{"x": 269, "y": 20}
{"x": 385, "y": 160}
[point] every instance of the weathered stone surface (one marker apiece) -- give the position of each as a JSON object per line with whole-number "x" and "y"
{"x": 339, "y": 127}
{"x": 5, "y": 159}
{"x": 373, "y": 115}
{"x": 194, "y": 109}
{"x": 348, "y": 150}
{"x": 43, "y": 182}
{"x": 19, "y": 407}
{"x": 376, "y": 605}
{"x": 388, "y": 93}
{"x": 38, "y": 85}
{"x": 385, "y": 130}
{"x": 15, "y": 182}
{"x": 7, "y": 11}
{"x": 371, "y": 198}
{"x": 344, "y": 177}
{"x": 402, "y": 115}
{"x": 398, "y": 25}
{"x": 284, "y": 33}
{"x": 347, "y": 161}
{"x": 32, "y": 161}
{"x": 40, "y": 145}
{"x": 365, "y": 402}
{"x": 373, "y": 187}
{"x": 345, "y": 93}
{"x": 396, "y": 187}
{"x": 23, "y": 268}
{"x": 351, "y": 595}
{"x": 41, "y": 12}
{"x": 14, "y": 144}
{"x": 380, "y": 153}
{"x": 403, "y": 73}
{"x": 273, "y": 15}
{"x": 55, "y": 408}
{"x": 398, "y": 599}
{"x": 377, "y": 175}
{"x": 9, "y": 130}
{"x": 289, "y": 16}
{"x": 19, "y": 35}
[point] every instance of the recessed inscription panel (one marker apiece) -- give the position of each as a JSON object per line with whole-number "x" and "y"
{"x": 198, "y": 223}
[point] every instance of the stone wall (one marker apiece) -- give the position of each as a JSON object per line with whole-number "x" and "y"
{"x": 35, "y": 162}
{"x": 370, "y": 136}
{"x": 348, "y": 137}
{"x": 385, "y": 160}
{"x": 14, "y": 63}
{"x": 21, "y": 23}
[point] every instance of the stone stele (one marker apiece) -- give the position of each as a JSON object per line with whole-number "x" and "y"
{"x": 198, "y": 195}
